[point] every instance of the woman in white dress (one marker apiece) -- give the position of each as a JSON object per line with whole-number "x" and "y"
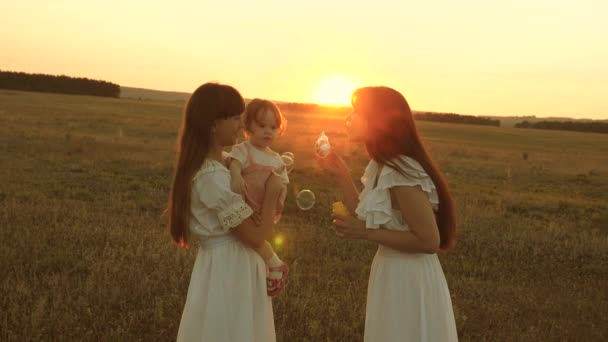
{"x": 405, "y": 207}
{"x": 227, "y": 298}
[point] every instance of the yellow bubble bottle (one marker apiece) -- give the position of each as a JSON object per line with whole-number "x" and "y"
{"x": 339, "y": 208}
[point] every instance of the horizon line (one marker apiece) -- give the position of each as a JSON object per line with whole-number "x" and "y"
{"x": 523, "y": 116}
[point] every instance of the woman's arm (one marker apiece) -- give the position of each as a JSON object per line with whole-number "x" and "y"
{"x": 423, "y": 234}
{"x": 255, "y": 235}
{"x": 349, "y": 192}
{"x": 333, "y": 164}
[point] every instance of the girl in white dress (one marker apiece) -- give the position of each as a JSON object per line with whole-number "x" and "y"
{"x": 406, "y": 207}
{"x": 227, "y": 298}
{"x": 251, "y": 163}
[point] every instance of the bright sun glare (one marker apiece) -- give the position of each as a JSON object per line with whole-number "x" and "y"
{"x": 334, "y": 91}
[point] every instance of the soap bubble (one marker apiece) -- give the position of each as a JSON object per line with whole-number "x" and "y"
{"x": 305, "y": 199}
{"x": 288, "y": 162}
{"x": 290, "y": 155}
{"x": 349, "y": 121}
{"x": 322, "y": 146}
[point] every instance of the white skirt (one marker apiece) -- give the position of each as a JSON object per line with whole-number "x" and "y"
{"x": 227, "y": 298}
{"x": 408, "y": 299}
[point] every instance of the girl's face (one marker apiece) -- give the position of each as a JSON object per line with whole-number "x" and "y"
{"x": 264, "y": 129}
{"x": 228, "y": 130}
{"x": 357, "y": 127}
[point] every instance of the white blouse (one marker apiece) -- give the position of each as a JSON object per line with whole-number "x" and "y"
{"x": 215, "y": 209}
{"x": 375, "y": 206}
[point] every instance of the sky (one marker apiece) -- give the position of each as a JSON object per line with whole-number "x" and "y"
{"x": 479, "y": 57}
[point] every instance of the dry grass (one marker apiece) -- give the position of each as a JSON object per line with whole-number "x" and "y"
{"x": 85, "y": 255}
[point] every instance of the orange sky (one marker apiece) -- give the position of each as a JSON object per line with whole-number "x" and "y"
{"x": 544, "y": 58}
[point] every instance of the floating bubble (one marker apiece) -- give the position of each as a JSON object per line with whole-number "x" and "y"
{"x": 305, "y": 199}
{"x": 322, "y": 145}
{"x": 349, "y": 121}
{"x": 290, "y": 155}
{"x": 288, "y": 162}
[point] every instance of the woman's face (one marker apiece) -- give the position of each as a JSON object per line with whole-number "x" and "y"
{"x": 228, "y": 130}
{"x": 357, "y": 127}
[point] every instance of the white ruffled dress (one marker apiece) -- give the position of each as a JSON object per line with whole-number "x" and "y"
{"x": 407, "y": 297}
{"x": 227, "y": 298}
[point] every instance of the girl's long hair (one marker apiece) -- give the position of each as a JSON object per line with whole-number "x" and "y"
{"x": 392, "y": 132}
{"x": 208, "y": 103}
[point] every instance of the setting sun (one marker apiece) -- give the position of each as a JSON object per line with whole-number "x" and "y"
{"x": 334, "y": 91}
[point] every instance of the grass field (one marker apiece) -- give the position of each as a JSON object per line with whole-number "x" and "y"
{"x": 85, "y": 255}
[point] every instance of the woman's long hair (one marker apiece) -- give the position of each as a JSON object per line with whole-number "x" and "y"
{"x": 208, "y": 103}
{"x": 392, "y": 132}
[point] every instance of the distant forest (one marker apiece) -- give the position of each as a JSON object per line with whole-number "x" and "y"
{"x": 311, "y": 107}
{"x": 579, "y": 126}
{"x": 457, "y": 118}
{"x": 426, "y": 116}
{"x": 57, "y": 84}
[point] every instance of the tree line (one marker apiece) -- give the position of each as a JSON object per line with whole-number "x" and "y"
{"x": 579, "y": 126}
{"x": 57, "y": 84}
{"x": 456, "y": 118}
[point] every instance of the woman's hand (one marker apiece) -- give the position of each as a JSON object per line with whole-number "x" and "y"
{"x": 334, "y": 164}
{"x": 349, "y": 227}
{"x": 257, "y": 218}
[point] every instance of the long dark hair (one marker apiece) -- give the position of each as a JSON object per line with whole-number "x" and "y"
{"x": 393, "y": 133}
{"x": 208, "y": 103}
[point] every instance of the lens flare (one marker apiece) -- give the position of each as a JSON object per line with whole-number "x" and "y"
{"x": 278, "y": 241}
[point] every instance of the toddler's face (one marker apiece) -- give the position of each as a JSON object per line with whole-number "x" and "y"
{"x": 264, "y": 129}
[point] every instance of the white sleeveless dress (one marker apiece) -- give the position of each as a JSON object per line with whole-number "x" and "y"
{"x": 407, "y": 297}
{"x": 227, "y": 298}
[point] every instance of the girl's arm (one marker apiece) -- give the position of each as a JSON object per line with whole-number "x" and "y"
{"x": 423, "y": 234}
{"x": 255, "y": 235}
{"x": 237, "y": 183}
{"x": 235, "y": 167}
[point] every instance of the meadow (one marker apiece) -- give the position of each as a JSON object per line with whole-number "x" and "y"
{"x": 86, "y": 256}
